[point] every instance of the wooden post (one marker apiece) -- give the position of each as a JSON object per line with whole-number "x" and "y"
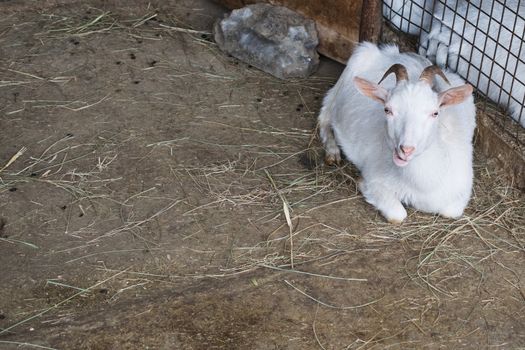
{"x": 371, "y": 20}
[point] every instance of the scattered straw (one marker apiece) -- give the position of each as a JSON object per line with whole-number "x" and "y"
{"x": 314, "y": 329}
{"x": 254, "y": 184}
{"x": 37, "y": 315}
{"x": 20, "y": 344}
{"x": 185, "y": 30}
{"x": 286, "y": 210}
{"x": 12, "y": 240}
{"x": 17, "y": 155}
{"x": 330, "y": 305}
{"x": 314, "y": 274}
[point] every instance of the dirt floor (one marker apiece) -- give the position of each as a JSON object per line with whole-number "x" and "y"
{"x": 156, "y": 193}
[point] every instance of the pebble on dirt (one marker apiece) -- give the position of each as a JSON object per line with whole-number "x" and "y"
{"x": 274, "y": 39}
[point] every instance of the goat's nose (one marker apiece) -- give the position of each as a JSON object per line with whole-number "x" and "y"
{"x": 407, "y": 150}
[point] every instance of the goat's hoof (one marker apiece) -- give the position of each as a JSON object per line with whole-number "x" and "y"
{"x": 452, "y": 214}
{"x": 395, "y": 222}
{"x": 332, "y": 159}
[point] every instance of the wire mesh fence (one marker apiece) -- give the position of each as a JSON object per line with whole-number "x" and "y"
{"x": 483, "y": 41}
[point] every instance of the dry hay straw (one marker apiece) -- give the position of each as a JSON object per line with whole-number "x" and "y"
{"x": 286, "y": 199}
{"x": 446, "y": 249}
{"x": 492, "y": 226}
{"x": 98, "y": 21}
{"x": 56, "y": 166}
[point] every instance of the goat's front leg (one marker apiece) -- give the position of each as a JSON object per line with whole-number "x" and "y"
{"x": 384, "y": 200}
{"x": 332, "y": 152}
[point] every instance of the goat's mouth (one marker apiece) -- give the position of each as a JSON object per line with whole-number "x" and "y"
{"x": 400, "y": 162}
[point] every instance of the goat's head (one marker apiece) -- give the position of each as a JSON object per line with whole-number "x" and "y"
{"x": 412, "y": 109}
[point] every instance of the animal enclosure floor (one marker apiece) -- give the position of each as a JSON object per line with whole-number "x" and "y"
{"x": 156, "y": 193}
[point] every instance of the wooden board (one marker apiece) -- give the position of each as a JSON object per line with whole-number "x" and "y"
{"x": 496, "y": 145}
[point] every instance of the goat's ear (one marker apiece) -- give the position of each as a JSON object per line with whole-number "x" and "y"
{"x": 371, "y": 90}
{"x": 455, "y": 95}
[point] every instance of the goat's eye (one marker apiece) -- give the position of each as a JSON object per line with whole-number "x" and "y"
{"x": 388, "y": 111}
{"x": 435, "y": 114}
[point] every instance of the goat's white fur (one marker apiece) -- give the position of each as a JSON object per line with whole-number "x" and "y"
{"x": 438, "y": 179}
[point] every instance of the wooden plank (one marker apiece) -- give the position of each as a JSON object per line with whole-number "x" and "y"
{"x": 495, "y": 144}
{"x": 371, "y": 21}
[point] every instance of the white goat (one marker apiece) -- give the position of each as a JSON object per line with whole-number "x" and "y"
{"x": 411, "y": 137}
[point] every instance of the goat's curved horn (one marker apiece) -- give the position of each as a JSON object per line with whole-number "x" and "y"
{"x": 399, "y": 70}
{"x": 430, "y": 72}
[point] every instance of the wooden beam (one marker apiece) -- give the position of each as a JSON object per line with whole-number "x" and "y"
{"x": 371, "y": 21}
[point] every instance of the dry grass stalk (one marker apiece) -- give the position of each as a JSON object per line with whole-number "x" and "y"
{"x": 11, "y": 160}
